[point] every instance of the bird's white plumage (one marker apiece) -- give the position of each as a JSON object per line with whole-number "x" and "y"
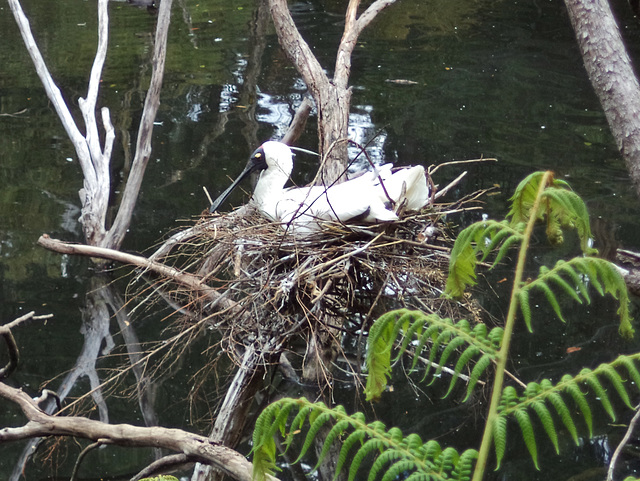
{"x": 373, "y": 197}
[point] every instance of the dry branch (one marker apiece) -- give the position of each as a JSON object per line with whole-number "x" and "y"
{"x": 94, "y": 157}
{"x": 12, "y": 347}
{"x": 332, "y": 97}
{"x": 189, "y": 281}
{"x": 195, "y": 447}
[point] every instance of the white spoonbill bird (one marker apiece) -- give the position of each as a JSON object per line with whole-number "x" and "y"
{"x": 373, "y": 197}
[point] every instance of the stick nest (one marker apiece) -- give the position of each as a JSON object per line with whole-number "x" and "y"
{"x": 267, "y": 284}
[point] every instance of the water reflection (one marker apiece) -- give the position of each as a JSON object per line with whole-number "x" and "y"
{"x": 500, "y": 80}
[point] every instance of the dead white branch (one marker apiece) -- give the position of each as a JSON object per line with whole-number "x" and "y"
{"x": 195, "y": 447}
{"x": 94, "y": 157}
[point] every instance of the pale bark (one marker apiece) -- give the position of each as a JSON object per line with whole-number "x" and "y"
{"x": 611, "y": 74}
{"x": 332, "y": 96}
{"x": 94, "y": 157}
{"x": 190, "y": 281}
{"x": 196, "y": 448}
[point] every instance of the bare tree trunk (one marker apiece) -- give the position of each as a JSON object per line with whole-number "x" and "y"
{"x": 332, "y": 97}
{"x": 611, "y": 75}
{"x": 93, "y": 156}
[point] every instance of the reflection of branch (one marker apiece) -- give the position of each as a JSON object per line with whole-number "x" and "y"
{"x": 97, "y": 341}
{"x": 195, "y": 447}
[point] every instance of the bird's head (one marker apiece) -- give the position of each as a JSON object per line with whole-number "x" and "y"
{"x": 273, "y": 156}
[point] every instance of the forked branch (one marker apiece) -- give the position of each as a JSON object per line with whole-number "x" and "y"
{"x": 195, "y": 447}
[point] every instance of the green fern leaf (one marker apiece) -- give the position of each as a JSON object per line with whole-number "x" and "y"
{"x": 574, "y": 391}
{"x": 431, "y": 334}
{"x": 496, "y": 234}
{"x": 633, "y": 372}
{"x": 465, "y": 465}
{"x": 478, "y": 370}
{"x": 500, "y": 438}
{"x": 617, "y": 382}
{"x": 524, "y": 421}
{"x": 353, "y": 438}
{"x": 599, "y": 391}
{"x": 561, "y": 408}
{"x": 467, "y": 355}
{"x": 523, "y": 198}
{"x": 495, "y": 337}
{"x": 395, "y": 470}
{"x": 317, "y": 423}
{"x": 571, "y": 211}
{"x": 525, "y": 307}
{"x": 449, "y": 459}
{"x": 551, "y": 298}
{"x": 374, "y": 444}
{"x": 504, "y": 248}
{"x": 450, "y": 348}
{"x": 547, "y": 423}
{"x": 379, "y": 354}
{"x": 462, "y": 264}
{"x": 578, "y": 281}
{"x": 566, "y": 287}
{"x": 336, "y": 431}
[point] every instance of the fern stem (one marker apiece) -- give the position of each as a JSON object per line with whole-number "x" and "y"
{"x": 487, "y": 437}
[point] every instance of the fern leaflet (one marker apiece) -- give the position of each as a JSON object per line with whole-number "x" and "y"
{"x": 394, "y": 454}
{"x": 536, "y": 397}
{"x": 442, "y": 338}
{"x": 573, "y": 278}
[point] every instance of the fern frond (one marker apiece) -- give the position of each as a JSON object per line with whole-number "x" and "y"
{"x": 547, "y": 422}
{"x": 525, "y": 307}
{"x": 441, "y": 338}
{"x": 522, "y": 416}
{"x": 561, "y": 408}
{"x": 478, "y": 370}
{"x": 537, "y": 396}
{"x": 524, "y": 197}
{"x": 570, "y": 211}
{"x": 499, "y": 429}
{"x": 344, "y": 456}
{"x": 394, "y": 454}
{"x": 479, "y": 239}
{"x": 562, "y": 208}
{"x": 573, "y": 279}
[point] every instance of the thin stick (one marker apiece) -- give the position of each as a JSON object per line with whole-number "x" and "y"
{"x": 459, "y": 162}
{"x": 623, "y": 443}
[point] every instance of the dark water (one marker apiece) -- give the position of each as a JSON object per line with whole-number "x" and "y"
{"x": 488, "y": 79}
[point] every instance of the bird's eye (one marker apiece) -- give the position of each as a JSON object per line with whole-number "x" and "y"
{"x": 258, "y": 155}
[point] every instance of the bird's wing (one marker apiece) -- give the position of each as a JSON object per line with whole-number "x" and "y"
{"x": 340, "y": 202}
